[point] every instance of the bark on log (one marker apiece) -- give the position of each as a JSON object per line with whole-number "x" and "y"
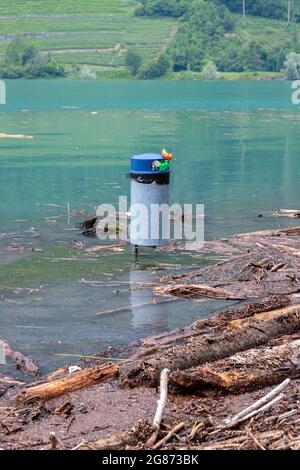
{"x": 243, "y": 372}
{"x": 160, "y": 342}
{"x": 238, "y": 335}
{"x": 24, "y": 364}
{"x": 76, "y": 381}
{"x": 274, "y": 302}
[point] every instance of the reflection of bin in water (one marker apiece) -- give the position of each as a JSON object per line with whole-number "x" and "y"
{"x": 2, "y": 353}
{"x": 144, "y": 315}
{"x": 150, "y": 178}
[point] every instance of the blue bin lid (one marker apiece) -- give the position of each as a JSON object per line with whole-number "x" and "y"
{"x": 143, "y": 163}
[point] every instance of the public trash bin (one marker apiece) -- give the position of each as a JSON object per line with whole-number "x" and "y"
{"x": 150, "y": 180}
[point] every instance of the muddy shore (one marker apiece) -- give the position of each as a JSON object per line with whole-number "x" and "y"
{"x": 216, "y": 367}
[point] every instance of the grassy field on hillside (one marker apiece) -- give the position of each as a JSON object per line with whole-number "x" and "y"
{"x": 94, "y": 32}
{"x": 27, "y": 7}
{"x": 268, "y": 32}
{"x": 99, "y": 32}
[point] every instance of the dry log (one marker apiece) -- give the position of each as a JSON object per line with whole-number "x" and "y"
{"x": 269, "y": 233}
{"x": 196, "y": 291}
{"x": 243, "y": 372}
{"x": 163, "y": 341}
{"x": 24, "y": 364}
{"x": 238, "y": 335}
{"x": 85, "y": 378}
{"x": 273, "y": 302}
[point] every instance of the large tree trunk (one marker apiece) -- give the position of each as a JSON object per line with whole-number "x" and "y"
{"x": 243, "y": 372}
{"x": 238, "y": 335}
{"x": 75, "y": 381}
{"x": 216, "y": 323}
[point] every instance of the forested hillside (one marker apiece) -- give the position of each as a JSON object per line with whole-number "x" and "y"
{"x": 235, "y": 35}
{"x": 149, "y": 39}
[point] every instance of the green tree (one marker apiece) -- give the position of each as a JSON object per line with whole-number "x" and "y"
{"x": 14, "y": 52}
{"x": 27, "y": 61}
{"x": 133, "y": 61}
{"x": 210, "y": 71}
{"x": 156, "y": 69}
{"x": 292, "y": 66}
{"x": 29, "y": 55}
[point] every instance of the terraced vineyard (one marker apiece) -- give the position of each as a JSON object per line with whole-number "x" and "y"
{"x": 94, "y": 32}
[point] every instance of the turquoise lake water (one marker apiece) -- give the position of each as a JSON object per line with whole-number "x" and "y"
{"x": 236, "y": 148}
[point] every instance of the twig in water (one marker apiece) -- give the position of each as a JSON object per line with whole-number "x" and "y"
{"x": 82, "y": 356}
{"x": 129, "y": 307}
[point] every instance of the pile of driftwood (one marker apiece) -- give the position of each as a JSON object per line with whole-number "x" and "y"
{"x": 254, "y": 265}
{"x": 248, "y": 349}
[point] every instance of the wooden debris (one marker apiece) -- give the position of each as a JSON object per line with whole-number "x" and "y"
{"x": 170, "y": 434}
{"x": 127, "y": 308}
{"x": 247, "y": 371}
{"x": 273, "y": 302}
{"x": 161, "y": 404}
{"x": 238, "y": 335}
{"x": 242, "y": 442}
{"x": 15, "y": 136}
{"x": 259, "y": 406}
{"x": 287, "y": 213}
{"x": 115, "y": 248}
{"x": 24, "y": 364}
{"x": 192, "y": 291}
{"x": 10, "y": 382}
{"x": 85, "y": 378}
{"x": 116, "y": 442}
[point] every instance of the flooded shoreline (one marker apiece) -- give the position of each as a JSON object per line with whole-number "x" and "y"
{"x": 232, "y": 376}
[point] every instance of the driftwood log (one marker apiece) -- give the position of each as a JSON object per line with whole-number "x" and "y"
{"x": 197, "y": 291}
{"x": 238, "y": 335}
{"x": 24, "y": 364}
{"x": 9, "y": 381}
{"x": 85, "y": 378}
{"x": 243, "y": 372}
